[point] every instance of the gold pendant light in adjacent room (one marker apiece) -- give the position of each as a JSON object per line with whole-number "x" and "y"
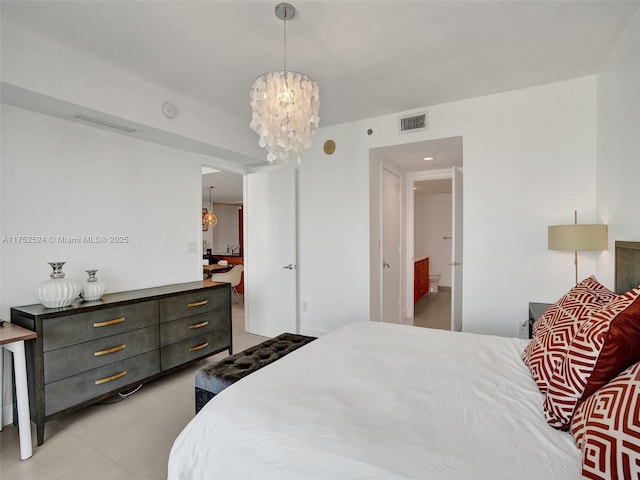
{"x": 209, "y": 218}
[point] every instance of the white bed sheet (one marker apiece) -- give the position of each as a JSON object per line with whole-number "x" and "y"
{"x": 380, "y": 401}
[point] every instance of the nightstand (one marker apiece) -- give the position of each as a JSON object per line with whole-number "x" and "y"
{"x": 536, "y": 310}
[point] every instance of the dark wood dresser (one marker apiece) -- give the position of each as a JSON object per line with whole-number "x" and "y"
{"x": 89, "y": 351}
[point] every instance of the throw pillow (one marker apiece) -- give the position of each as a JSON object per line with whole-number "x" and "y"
{"x": 606, "y": 428}
{"x": 606, "y": 344}
{"x": 554, "y": 331}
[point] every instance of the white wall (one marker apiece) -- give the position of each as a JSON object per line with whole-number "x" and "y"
{"x": 61, "y": 179}
{"x": 432, "y": 224}
{"x": 226, "y": 232}
{"x": 618, "y": 170}
{"x": 529, "y": 161}
{"x": 333, "y": 231}
{"x": 64, "y": 179}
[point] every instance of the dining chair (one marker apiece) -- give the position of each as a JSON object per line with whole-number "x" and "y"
{"x": 233, "y": 276}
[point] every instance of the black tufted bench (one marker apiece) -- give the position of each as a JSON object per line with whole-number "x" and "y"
{"x": 212, "y": 379}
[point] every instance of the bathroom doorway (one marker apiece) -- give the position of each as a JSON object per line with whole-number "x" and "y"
{"x": 435, "y": 233}
{"x": 433, "y": 241}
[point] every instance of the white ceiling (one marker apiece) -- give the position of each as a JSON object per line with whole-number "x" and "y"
{"x": 432, "y": 187}
{"x": 370, "y": 58}
{"x": 409, "y": 157}
{"x": 227, "y": 187}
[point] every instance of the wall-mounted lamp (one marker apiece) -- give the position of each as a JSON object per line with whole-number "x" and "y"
{"x": 587, "y": 237}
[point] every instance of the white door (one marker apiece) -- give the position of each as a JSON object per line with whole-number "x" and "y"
{"x": 456, "y": 251}
{"x": 270, "y": 252}
{"x": 390, "y": 247}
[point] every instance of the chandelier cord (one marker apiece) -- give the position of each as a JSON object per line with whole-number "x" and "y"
{"x": 285, "y": 43}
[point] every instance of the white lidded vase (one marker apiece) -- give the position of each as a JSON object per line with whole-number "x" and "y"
{"x": 93, "y": 289}
{"x": 58, "y": 291}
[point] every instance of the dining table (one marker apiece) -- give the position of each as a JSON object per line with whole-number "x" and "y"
{"x": 215, "y": 268}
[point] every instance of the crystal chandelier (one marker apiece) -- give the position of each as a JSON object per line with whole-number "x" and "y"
{"x": 284, "y": 106}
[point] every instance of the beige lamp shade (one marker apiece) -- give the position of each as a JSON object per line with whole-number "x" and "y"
{"x": 582, "y": 237}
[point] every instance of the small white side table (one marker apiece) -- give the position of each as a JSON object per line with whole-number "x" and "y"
{"x": 12, "y": 338}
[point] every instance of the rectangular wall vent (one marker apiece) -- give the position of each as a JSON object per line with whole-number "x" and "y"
{"x": 414, "y": 123}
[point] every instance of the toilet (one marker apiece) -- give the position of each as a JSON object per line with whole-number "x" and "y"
{"x": 434, "y": 278}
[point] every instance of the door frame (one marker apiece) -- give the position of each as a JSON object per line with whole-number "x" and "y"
{"x": 457, "y": 252}
{"x": 411, "y": 179}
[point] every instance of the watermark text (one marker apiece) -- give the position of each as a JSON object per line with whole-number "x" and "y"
{"x": 64, "y": 239}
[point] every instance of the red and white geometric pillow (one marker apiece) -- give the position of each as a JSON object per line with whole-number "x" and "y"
{"x": 606, "y": 344}
{"x": 554, "y": 331}
{"x": 606, "y": 428}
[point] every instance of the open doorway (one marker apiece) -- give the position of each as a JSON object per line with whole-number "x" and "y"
{"x": 439, "y": 159}
{"x": 433, "y": 248}
{"x": 223, "y": 240}
{"x": 429, "y": 224}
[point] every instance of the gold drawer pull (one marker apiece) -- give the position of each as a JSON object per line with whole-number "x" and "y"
{"x": 198, "y": 325}
{"x": 199, "y": 347}
{"x": 111, "y": 378}
{"x": 198, "y": 304}
{"x": 110, "y": 350}
{"x": 108, "y": 322}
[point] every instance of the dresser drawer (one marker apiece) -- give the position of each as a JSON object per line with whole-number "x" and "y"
{"x": 69, "y": 361}
{"x": 194, "y": 348}
{"x": 72, "y": 329}
{"x": 71, "y": 391}
{"x": 189, "y": 327}
{"x": 189, "y": 304}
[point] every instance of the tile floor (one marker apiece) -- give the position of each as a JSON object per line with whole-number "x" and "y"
{"x": 434, "y": 310}
{"x": 124, "y": 440}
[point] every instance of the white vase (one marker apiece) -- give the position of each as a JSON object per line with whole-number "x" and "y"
{"x": 58, "y": 291}
{"x": 93, "y": 289}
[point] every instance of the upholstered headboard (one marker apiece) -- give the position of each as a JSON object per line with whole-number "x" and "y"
{"x": 627, "y": 266}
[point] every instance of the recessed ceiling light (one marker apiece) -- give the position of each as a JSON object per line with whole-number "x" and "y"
{"x": 428, "y": 159}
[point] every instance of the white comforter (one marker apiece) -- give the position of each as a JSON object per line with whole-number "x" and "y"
{"x": 379, "y": 401}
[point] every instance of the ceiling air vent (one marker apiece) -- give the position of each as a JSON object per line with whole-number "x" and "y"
{"x": 414, "y": 123}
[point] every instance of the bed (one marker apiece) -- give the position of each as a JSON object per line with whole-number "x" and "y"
{"x": 379, "y": 401}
